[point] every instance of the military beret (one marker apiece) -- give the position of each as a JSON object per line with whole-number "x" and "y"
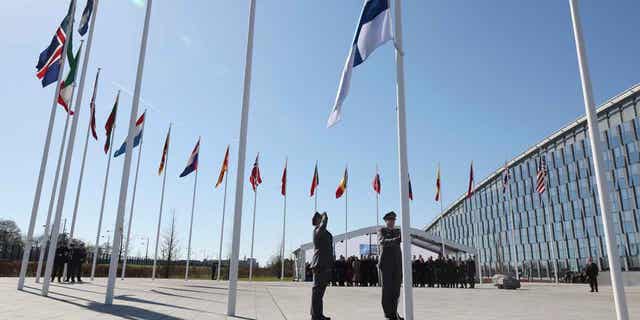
{"x": 315, "y": 218}
{"x": 389, "y": 215}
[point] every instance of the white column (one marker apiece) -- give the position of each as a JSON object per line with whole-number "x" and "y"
{"x": 597, "y": 150}
{"x": 513, "y": 229}
{"x": 52, "y": 200}
{"x": 43, "y": 162}
{"x": 253, "y": 232}
{"x": 284, "y": 228}
{"x": 164, "y": 181}
{"x": 403, "y": 168}
{"x": 224, "y": 207}
{"x": 193, "y": 208}
{"x": 242, "y": 150}
{"x": 124, "y": 184}
{"x": 133, "y": 199}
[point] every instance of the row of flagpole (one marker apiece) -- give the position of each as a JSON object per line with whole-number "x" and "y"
{"x": 372, "y": 37}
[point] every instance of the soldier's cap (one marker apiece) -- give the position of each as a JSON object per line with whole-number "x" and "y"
{"x": 315, "y": 218}
{"x": 389, "y": 216}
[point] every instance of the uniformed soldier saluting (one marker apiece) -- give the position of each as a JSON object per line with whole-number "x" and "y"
{"x": 322, "y": 263}
{"x": 390, "y": 265}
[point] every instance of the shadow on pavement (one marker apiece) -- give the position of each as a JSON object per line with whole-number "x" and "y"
{"x": 183, "y": 296}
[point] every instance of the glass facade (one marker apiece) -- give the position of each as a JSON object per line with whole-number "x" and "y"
{"x": 517, "y": 225}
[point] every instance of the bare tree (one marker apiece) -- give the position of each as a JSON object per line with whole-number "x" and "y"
{"x": 10, "y": 239}
{"x": 169, "y": 247}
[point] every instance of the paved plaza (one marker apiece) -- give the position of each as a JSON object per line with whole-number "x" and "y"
{"x": 199, "y": 299}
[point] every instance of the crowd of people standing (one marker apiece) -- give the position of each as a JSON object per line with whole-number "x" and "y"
{"x": 73, "y": 253}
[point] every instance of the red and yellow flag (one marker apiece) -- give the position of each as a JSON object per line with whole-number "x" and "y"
{"x": 165, "y": 150}
{"x": 225, "y": 167}
{"x": 315, "y": 182}
{"x": 342, "y": 187}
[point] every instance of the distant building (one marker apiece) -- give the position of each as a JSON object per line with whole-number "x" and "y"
{"x": 566, "y": 222}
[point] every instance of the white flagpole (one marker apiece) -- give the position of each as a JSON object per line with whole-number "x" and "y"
{"x": 513, "y": 226}
{"x": 193, "y": 207}
{"x": 43, "y": 162}
{"x": 346, "y": 218}
{"x": 444, "y": 247}
{"x": 597, "y": 150}
{"x": 224, "y": 208}
{"x": 47, "y": 229}
{"x": 242, "y": 149}
{"x": 133, "y": 200}
{"x": 403, "y": 167}
{"x": 84, "y": 157}
{"x": 96, "y": 249}
{"x": 164, "y": 180}
{"x": 377, "y": 206}
{"x": 124, "y": 184}
{"x": 284, "y": 225}
{"x": 253, "y": 232}
{"x": 83, "y": 76}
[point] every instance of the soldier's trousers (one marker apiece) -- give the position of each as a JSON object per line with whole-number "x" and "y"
{"x": 391, "y": 281}
{"x": 320, "y": 283}
{"x": 593, "y": 283}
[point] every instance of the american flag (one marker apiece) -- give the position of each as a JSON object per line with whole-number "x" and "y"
{"x": 542, "y": 176}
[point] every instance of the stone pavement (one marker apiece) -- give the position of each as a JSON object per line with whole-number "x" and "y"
{"x": 201, "y": 299}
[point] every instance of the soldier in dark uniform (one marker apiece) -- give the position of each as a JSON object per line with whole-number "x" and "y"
{"x": 59, "y": 259}
{"x": 592, "y": 275}
{"x": 77, "y": 259}
{"x": 471, "y": 272}
{"x": 390, "y": 265}
{"x": 322, "y": 264}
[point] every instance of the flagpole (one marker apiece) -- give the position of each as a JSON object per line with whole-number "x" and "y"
{"x": 242, "y": 146}
{"x": 284, "y": 223}
{"x": 444, "y": 248}
{"x": 224, "y": 207}
{"x": 26, "y": 253}
{"x": 84, "y": 159}
{"x": 253, "y": 232}
{"x": 124, "y": 184}
{"x": 403, "y": 167}
{"x": 164, "y": 180}
{"x": 193, "y": 207}
{"x": 622, "y": 312}
{"x": 133, "y": 198}
{"x": 513, "y": 225}
{"x": 315, "y": 194}
{"x": 346, "y": 215}
{"x": 551, "y": 235}
{"x": 83, "y": 76}
{"x": 54, "y": 190}
{"x": 96, "y": 249}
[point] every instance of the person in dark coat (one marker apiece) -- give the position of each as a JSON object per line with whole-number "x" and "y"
{"x": 322, "y": 263}
{"x": 390, "y": 265}
{"x": 471, "y": 272}
{"x": 78, "y": 256}
{"x": 59, "y": 260}
{"x": 592, "y": 275}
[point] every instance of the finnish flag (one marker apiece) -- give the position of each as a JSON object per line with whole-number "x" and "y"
{"x": 374, "y": 29}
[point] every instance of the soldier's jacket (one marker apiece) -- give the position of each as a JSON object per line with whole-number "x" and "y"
{"x": 389, "y": 242}
{"x": 323, "y": 257}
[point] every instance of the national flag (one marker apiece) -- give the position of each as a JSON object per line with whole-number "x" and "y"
{"x": 192, "y": 163}
{"x": 410, "y": 190}
{"x": 342, "y": 186}
{"x": 86, "y": 17}
{"x": 506, "y": 176}
{"x": 374, "y": 29}
{"x": 438, "y": 184}
{"x": 470, "y": 189}
{"x": 315, "y": 182}
{"x": 225, "y": 167}
{"x": 111, "y": 121}
{"x": 376, "y": 184}
{"x": 283, "y": 189}
{"x": 541, "y": 178}
{"x": 165, "y": 151}
{"x": 92, "y": 104}
{"x": 255, "y": 179}
{"x": 66, "y": 87}
{"x": 48, "y": 67}
{"x": 136, "y": 139}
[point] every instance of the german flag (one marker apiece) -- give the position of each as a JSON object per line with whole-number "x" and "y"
{"x": 225, "y": 167}
{"x": 165, "y": 151}
{"x": 342, "y": 187}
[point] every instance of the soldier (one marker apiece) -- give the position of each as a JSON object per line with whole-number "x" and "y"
{"x": 322, "y": 263}
{"x": 471, "y": 272}
{"x": 59, "y": 260}
{"x": 592, "y": 274}
{"x": 78, "y": 257}
{"x": 390, "y": 266}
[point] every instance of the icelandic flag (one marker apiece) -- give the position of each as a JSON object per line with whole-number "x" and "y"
{"x": 374, "y": 29}
{"x": 86, "y": 18}
{"x": 48, "y": 67}
{"x": 136, "y": 139}
{"x": 192, "y": 163}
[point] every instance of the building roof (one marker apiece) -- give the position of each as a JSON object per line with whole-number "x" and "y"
{"x": 553, "y": 137}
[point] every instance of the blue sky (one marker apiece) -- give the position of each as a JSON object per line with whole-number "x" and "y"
{"x": 485, "y": 80}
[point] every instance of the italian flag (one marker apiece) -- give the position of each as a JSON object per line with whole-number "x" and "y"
{"x": 66, "y": 88}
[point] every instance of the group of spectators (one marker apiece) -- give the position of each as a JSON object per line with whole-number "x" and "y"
{"x": 443, "y": 272}
{"x": 433, "y": 273}
{"x": 73, "y": 253}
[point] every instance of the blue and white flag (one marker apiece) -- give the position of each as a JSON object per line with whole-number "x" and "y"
{"x": 374, "y": 29}
{"x": 192, "y": 163}
{"x": 86, "y": 18}
{"x": 136, "y": 139}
